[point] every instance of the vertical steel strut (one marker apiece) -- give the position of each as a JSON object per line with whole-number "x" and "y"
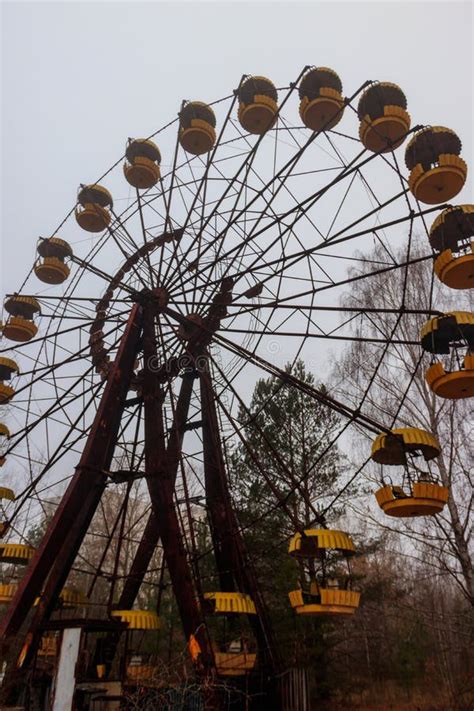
{"x": 140, "y": 563}
{"x": 232, "y": 561}
{"x": 161, "y": 476}
{"x": 53, "y": 560}
{"x": 151, "y": 536}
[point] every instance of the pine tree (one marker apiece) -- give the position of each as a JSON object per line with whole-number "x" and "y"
{"x": 284, "y": 474}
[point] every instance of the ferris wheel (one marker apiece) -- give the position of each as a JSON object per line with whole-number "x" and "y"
{"x": 212, "y": 253}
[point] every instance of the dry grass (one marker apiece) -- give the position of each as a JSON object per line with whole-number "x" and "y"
{"x": 391, "y": 698}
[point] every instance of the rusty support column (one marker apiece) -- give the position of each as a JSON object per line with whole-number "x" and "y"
{"x": 228, "y": 541}
{"x": 227, "y": 560}
{"x": 52, "y": 561}
{"x": 151, "y": 536}
{"x": 160, "y": 477}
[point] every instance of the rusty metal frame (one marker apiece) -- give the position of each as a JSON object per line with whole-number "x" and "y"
{"x": 52, "y": 562}
{"x": 161, "y": 467}
{"x": 234, "y": 567}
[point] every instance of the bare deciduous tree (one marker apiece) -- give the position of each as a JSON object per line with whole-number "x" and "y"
{"x": 448, "y": 535}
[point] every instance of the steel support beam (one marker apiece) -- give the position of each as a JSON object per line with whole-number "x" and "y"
{"x": 52, "y": 561}
{"x": 220, "y": 516}
{"x": 231, "y": 557}
{"x": 160, "y": 467}
{"x": 151, "y": 534}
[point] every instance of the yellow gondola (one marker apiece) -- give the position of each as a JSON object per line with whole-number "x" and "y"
{"x": 425, "y": 497}
{"x": 93, "y": 208}
{"x": 234, "y": 658}
{"x": 451, "y": 236}
{"x": 257, "y": 104}
{"x": 197, "y": 123}
{"x": 139, "y": 668}
{"x": 456, "y": 270}
{"x": 51, "y": 267}
{"x": 384, "y": 120}
{"x": 438, "y": 336}
{"x": 142, "y": 165}
{"x": 327, "y": 594}
{"x": 321, "y": 100}
{"x": 20, "y": 325}
{"x": 8, "y": 368}
{"x": 437, "y": 173}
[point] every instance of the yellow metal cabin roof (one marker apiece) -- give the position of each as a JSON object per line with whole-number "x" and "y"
{"x": 429, "y": 143}
{"x": 461, "y": 318}
{"x": 143, "y": 147}
{"x": 322, "y": 538}
{"x": 54, "y": 247}
{"x": 138, "y": 619}
{"x": 318, "y": 77}
{"x": 454, "y": 223}
{"x": 231, "y": 602}
{"x": 196, "y": 110}
{"x": 256, "y": 85}
{"x": 430, "y": 131}
{"x": 389, "y": 451}
{"x": 94, "y": 194}
{"x": 378, "y": 95}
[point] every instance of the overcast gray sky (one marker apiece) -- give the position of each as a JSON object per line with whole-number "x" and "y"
{"x": 78, "y": 78}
